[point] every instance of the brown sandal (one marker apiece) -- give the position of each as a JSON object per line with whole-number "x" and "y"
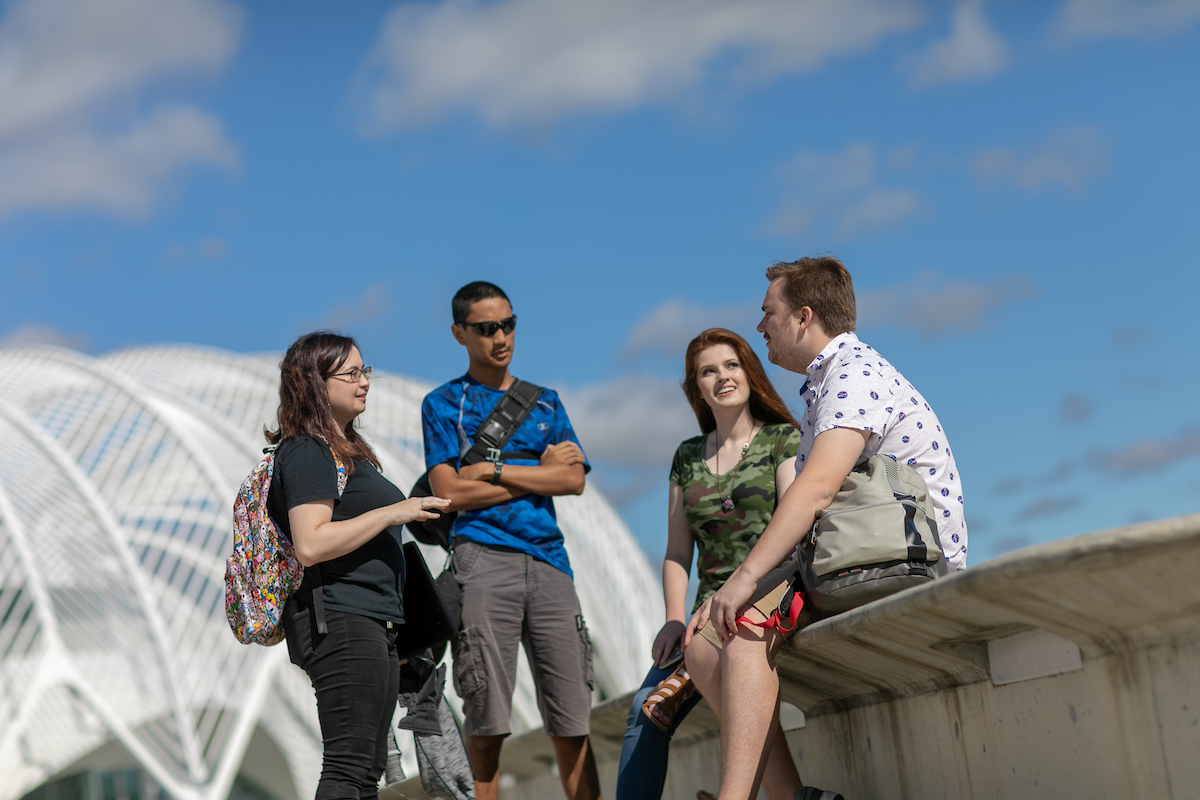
{"x": 667, "y": 697}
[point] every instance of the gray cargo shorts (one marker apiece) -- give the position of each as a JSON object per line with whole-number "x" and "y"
{"x": 512, "y": 598}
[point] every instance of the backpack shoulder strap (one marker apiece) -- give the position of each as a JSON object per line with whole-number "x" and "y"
{"x": 318, "y": 580}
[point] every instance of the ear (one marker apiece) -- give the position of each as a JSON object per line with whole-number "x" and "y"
{"x": 804, "y": 315}
{"x": 458, "y": 332}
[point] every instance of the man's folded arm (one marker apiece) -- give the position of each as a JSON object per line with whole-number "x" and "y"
{"x": 466, "y": 494}
{"x": 551, "y": 480}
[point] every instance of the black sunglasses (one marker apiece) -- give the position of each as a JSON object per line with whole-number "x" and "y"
{"x": 489, "y": 328}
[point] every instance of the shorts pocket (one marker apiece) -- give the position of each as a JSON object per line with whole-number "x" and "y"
{"x": 585, "y": 643}
{"x": 468, "y": 671}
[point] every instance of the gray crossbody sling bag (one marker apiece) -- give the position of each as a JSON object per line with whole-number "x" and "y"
{"x": 878, "y": 536}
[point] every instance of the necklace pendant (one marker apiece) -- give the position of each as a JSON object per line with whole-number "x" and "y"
{"x": 727, "y": 504}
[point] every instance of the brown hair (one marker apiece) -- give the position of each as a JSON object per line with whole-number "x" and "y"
{"x": 823, "y": 284}
{"x": 304, "y": 403}
{"x": 765, "y": 403}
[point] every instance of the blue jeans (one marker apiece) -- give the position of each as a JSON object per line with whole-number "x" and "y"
{"x": 642, "y": 772}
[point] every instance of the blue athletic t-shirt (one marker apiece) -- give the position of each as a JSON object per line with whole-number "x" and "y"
{"x": 528, "y": 523}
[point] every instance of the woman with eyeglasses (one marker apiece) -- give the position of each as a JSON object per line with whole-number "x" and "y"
{"x": 341, "y": 624}
{"x": 724, "y": 486}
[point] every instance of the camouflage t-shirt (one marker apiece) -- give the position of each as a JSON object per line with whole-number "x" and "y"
{"x": 724, "y": 538}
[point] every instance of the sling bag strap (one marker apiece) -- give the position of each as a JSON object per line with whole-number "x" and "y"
{"x": 495, "y": 431}
{"x": 503, "y": 422}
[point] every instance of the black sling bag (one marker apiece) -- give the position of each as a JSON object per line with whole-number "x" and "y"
{"x": 490, "y": 439}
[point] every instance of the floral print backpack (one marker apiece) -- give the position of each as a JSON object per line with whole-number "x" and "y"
{"x": 263, "y": 570}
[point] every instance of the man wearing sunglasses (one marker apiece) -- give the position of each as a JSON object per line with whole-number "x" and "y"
{"x": 508, "y": 552}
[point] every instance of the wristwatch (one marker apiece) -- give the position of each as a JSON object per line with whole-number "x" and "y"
{"x": 498, "y": 465}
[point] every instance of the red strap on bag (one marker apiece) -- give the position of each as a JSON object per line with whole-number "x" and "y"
{"x": 775, "y": 620}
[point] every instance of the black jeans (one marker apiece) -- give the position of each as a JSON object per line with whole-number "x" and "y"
{"x": 355, "y": 671}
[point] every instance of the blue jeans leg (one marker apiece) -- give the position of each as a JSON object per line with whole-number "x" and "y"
{"x": 642, "y": 771}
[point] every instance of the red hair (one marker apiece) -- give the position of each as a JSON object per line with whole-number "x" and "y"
{"x": 304, "y": 402}
{"x": 765, "y": 403}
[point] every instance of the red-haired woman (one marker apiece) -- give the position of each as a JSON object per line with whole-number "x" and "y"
{"x": 724, "y": 487}
{"x": 341, "y": 624}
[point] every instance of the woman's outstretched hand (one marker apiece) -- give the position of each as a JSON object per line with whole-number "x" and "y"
{"x": 669, "y": 637}
{"x": 418, "y": 509}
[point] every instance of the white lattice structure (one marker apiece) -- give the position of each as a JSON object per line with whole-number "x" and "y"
{"x": 117, "y": 476}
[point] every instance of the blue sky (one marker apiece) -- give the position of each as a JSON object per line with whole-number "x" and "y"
{"x": 1013, "y": 186}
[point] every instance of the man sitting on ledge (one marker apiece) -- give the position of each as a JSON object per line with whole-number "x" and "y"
{"x": 856, "y": 405}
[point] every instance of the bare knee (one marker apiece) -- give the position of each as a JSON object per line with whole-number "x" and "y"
{"x": 484, "y": 752}
{"x": 569, "y": 747}
{"x": 703, "y": 661}
{"x": 751, "y": 650}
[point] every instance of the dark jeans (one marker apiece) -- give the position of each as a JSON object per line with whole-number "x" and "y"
{"x": 355, "y": 671}
{"x": 642, "y": 771}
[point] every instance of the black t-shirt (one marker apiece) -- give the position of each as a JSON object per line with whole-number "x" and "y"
{"x": 368, "y": 581}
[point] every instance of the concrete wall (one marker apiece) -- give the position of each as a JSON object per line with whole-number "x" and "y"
{"x": 1071, "y": 669}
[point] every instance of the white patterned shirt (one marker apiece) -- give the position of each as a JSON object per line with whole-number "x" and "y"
{"x": 851, "y": 386}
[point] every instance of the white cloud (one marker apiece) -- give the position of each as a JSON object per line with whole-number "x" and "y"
{"x": 932, "y": 305}
{"x": 75, "y": 130}
{"x": 972, "y": 50}
{"x": 371, "y": 305}
{"x": 1148, "y": 455}
{"x": 666, "y": 330}
{"x": 122, "y": 174}
{"x": 44, "y": 334}
{"x": 1133, "y": 19}
{"x": 1047, "y": 506}
{"x": 843, "y": 191}
{"x": 522, "y": 62}
{"x": 633, "y": 421}
{"x": 1067, "y": 159}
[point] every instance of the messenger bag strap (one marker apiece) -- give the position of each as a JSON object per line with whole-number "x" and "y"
{"x": 503, "y": 422}
{"x": 891, "y": 468}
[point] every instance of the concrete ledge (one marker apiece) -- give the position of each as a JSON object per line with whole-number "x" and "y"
{"x": 902, "y": 699}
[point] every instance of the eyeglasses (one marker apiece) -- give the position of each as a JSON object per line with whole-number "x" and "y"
{"x": 354, "y": 375}
{"x": 489, "y": 328}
